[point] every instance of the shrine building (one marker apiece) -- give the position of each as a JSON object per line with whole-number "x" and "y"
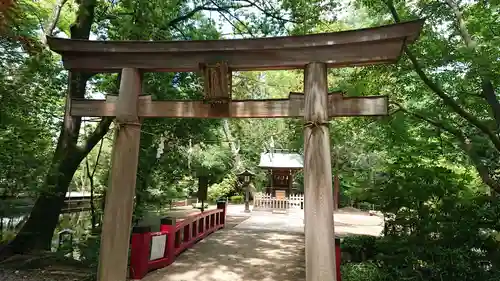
{"x": 281, "y": 166}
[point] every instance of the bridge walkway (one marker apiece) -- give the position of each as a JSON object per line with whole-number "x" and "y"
{"x": 257, "y": 247}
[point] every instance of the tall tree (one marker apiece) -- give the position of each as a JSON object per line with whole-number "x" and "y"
{"x": 37, "y": 232}
{"x": 449, "y": 78}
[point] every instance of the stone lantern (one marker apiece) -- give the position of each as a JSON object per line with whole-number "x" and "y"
{"x": 245, "y": 178}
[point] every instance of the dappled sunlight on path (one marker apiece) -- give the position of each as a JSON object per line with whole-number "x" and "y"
{"x": 239, "y": 254}
{"x": 260, "y": 246}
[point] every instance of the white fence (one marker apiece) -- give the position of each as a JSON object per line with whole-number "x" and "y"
{"x": 296, "y": 201}
{"x": 266, "y": 202}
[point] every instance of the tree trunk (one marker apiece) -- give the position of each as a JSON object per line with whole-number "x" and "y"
{"x": 93, "y": 220}
{"x": 37, "y": 233}
{"x": 336, "y": 191}
{"x": 93, "y": 214}
{"x": 202, "y": 191}
{"x": 90, "y": 175}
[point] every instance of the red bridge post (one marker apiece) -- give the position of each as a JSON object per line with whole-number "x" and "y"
{"x": 168, "y": 224}
{"x": 222, "y": 205}
{"x": 174, "y": 236}
{"x": 337, "y": 256}
{"x": 139, "y": 252}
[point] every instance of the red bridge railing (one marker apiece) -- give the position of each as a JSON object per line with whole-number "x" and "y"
{"x": 153, "y": 250}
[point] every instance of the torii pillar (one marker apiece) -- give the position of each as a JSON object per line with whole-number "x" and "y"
{"x": 319, "y": 230}
{"x": 117, "y": 221}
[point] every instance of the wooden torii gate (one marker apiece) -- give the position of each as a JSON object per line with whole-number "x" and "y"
{"x": 216, "y": 59}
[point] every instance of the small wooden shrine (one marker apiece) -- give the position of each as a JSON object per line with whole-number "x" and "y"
{"x": 281, "y": 165}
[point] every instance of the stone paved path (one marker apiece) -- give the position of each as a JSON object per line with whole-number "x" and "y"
{"x": 260, "y": 247}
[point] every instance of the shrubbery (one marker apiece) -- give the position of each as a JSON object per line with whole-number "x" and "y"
{"x": 364, "y": 271}
{"x": 222, "y": 189}
{"x": 237, "y": 199}
{"x": 438, "y": 230}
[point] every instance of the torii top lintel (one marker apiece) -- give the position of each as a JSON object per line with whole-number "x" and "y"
{"x": 375, "y": 45}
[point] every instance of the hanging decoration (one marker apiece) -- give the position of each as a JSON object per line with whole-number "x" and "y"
{"x": 161, "y": 147}
{"x": 190, "y": 153}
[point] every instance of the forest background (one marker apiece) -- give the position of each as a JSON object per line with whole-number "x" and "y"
{"x": 433, "y": 164}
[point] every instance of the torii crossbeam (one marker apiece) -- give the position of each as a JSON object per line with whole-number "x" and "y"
{"x": 293, "y": 107}
{"x": 216, "y": 59}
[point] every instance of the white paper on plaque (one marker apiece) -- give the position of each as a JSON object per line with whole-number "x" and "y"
{"x": 158, "y": 247}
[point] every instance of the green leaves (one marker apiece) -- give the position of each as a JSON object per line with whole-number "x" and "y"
{"x": 212, "y": 161}
{"x": 436, "y": 227}
{"x": 30, "y": 91}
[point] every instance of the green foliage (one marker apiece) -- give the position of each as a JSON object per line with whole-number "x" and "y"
{"x": 365, "y": 271}
{"x": 237, "y": 199}
{"x": 31, "y": 86}
{"x": 436, "y": 228}
{"x": 89, "y": 250}
{"x": 356, "y": 245}
{"x": 445, "y": 82}
{"x": 212, "y": 161}
{"x": 455, "y": 240}
{"x": 222, "y": 189}
{"x": 447, "y": 243}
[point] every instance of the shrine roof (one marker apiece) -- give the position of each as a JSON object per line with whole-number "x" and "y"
{"x": 271, "y": 160}
{"x": 382, "y": 44}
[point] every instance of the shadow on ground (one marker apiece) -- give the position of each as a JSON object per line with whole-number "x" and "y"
{"x": 239, "y": 254}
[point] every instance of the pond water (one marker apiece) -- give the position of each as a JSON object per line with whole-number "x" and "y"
{"x": 84, "y": 245}
{"x": 78, "y": 222}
